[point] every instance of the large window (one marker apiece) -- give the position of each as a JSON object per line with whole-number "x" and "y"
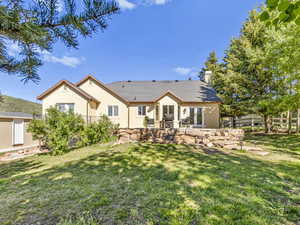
{"x": 65, "y": 107}
{"x": 142, "y": 110}
{"x": 168, "y": 112}
{"x": 113, "y": 110}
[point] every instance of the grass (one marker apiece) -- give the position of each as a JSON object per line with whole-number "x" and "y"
{"x": 277, "y": 142}
{"x": 11, "y": 104}
{"x": 152, "y": 184}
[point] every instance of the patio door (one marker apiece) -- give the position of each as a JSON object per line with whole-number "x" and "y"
{"x": 168, "y": 112}
{"x": 196, "y": 116}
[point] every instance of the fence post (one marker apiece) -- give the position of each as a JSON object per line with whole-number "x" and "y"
{"x": 298, "y": 121}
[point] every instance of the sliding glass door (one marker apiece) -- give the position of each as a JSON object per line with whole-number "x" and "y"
{"x": 196, "y": 116}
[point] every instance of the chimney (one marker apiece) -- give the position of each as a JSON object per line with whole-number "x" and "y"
{"x": 207, "y": 77}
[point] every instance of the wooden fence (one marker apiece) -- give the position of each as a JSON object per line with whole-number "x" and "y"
{"x": 257, "y": 123}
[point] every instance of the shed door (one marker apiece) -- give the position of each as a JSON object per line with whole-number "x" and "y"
{"x": 18, "y": 132}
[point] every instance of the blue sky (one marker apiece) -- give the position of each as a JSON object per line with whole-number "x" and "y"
{"x": 156, "y": 39}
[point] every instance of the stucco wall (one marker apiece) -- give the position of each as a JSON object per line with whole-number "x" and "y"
{"x": 6, "y": 140}
{"x": 137, "y": 121}
{"x": 64, "y": 94}
{"x": 106, "y": 99}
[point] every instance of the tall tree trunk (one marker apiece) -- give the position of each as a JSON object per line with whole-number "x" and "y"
{"x": 266, "y": 124}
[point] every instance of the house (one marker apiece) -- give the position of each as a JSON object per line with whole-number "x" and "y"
{"x": 168, "y": 103}
{"x": 13, "y": 131}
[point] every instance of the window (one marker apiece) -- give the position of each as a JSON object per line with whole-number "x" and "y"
{"x": 113, "y": 110}
{"x": 65, "y": 107}
{"x": 142, "y": 110}
{"x": 18, "y": 132}
{"x": 196, "y": 116}
{"x": 168, "y": 112}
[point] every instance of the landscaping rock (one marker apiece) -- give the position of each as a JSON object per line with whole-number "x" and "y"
{"x": 224, "y": 138}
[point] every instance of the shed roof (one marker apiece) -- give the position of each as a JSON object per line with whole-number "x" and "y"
{"x": 16, "y": 115}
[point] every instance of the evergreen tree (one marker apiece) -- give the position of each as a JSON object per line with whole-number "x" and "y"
{"x": 246, "y": 82}
{"x": 211, "y": 64}
{"x": 35, "y": 25}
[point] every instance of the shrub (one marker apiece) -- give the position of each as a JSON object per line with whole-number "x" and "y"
{"x": 100, "y": 131}
{"x": 61, "y": 131}
{"x": 58, "y": 130}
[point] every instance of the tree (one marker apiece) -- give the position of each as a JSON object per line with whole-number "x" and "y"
{"x": 220, "y": 81}
{"x": 287, "y": 11}
{"x": 247, "y": 82}
{"x": 283, "y": 56}
{"x": 36, "y": 25}
{"x": 210, "y": 64}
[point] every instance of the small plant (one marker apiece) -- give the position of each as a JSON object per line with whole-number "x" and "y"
{"x": 100, "y": 131}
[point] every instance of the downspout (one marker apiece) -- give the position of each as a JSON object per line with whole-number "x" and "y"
{"x": 87, "y": 112}
{"x": 128, "y": 116}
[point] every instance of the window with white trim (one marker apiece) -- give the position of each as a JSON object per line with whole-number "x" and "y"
{"x": 113, "y": 110}
{"x": 65, "y": 107}
{"x": 142, "y": 110}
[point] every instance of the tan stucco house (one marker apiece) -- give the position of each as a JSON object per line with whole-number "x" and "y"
{"x": 170, "y": 103}
{"x": 13, "y": 131}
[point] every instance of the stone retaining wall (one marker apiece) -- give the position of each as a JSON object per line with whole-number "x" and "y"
{"x": 224, "y": 138}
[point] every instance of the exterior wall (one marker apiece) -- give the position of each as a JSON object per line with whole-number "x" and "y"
{"x": 106, "y": 99}
{"x": 167, "y": 100}
{"x": 6, "y": 132}
{"x": 211, "y": 113}
{"x": 136, "y": 121}
{"x": 64, "y": 94}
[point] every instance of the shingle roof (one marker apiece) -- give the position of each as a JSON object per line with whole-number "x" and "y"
{"x": 149, "y": 91}
{"x": 15, "y": 115}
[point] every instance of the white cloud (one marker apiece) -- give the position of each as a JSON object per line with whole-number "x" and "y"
{"x": 65, "y": 60}
{"x": 186, "y": 71}
{"x": 183, "y": 70}
{"x": 60, "y": 6}
{"x": 124, "y": 4}
{"x": 14, "y": 50}
{"x": 160, "y": 2}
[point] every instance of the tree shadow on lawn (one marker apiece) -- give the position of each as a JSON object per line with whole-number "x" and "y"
{"x": 158, "y": 184}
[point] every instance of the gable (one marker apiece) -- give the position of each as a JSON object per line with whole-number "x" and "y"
{"x": 91, "y": 85}
{"x": 67, "y": 85}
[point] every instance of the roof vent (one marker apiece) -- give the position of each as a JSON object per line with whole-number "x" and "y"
{"x": 153, "y": 80}
{"x": 129, "y": 81}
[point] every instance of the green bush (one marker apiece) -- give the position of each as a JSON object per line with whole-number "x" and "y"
{"x": 60, "y": 131}
{"x": 100, "y": 131}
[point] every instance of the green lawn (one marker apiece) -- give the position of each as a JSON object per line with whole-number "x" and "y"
{"x": 154, "y": 185}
